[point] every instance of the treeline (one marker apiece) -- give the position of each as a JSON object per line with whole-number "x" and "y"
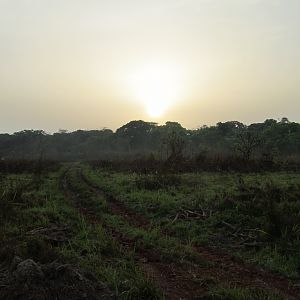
{"x": 268, "y": 140}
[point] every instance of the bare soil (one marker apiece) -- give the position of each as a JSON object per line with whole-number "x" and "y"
{"x": 189, "y": 281}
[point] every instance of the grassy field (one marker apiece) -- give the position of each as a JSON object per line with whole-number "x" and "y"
{"x": 257, "y": 215}
{"x": 157, "y": 236}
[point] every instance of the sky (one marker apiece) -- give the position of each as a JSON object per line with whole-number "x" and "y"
{"x": 89, "y": 64}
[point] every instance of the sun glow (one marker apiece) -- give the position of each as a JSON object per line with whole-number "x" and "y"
{"x": 157, "y": 87}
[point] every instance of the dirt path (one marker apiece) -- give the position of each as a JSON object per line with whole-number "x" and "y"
{"x": 227, "y": 268}
{"x": 116, "y": 206}
{"x": 174, "y": 281}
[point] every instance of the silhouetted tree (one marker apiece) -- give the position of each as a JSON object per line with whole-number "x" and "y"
{"x": 168, "y": 140}
{"x": 246, "y": 143}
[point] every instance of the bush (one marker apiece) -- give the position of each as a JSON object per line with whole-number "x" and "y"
{"x": 157, "y": 181}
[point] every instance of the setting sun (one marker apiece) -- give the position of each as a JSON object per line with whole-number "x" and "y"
{"x": 149, "y": 149}
{"x": 157, "y": 87}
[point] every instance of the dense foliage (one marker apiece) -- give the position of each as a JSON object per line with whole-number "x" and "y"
{"x": 268, "y": 139}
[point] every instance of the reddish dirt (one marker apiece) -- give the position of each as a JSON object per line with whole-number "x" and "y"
{"x": 241, "y": 273}
{"x": 174, "y": 281}
{"x": 117, "y": 207}
{"x": 190, "y": 281}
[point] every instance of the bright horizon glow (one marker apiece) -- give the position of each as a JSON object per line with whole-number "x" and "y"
{"x": 76, "y": 64}
{"x": 157, "y": 86}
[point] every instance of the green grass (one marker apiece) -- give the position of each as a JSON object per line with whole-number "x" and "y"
{"x": 89, "y": 246}
{"x": 171, "y": 249}
{"x": 265, "y": 207}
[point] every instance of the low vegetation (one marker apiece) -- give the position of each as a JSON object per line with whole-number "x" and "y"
{"x": 257, "y": 215}
{"x": 169, "y": 234}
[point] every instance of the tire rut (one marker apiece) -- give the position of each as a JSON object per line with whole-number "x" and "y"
{"x": 228, "y": 268}
{"x": 174, "y": 282}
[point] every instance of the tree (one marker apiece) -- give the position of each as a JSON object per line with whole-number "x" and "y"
{"x": 175, "y": 139}
{"x": 229, "y": 127}
{"x": 136, "y": 134}
{"x": 246, "y": 143}
{"x": 284, "y": 121}
{"x": 176, "y": 144}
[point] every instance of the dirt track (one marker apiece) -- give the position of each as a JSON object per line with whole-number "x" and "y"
{"x": 183, "y": 281}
